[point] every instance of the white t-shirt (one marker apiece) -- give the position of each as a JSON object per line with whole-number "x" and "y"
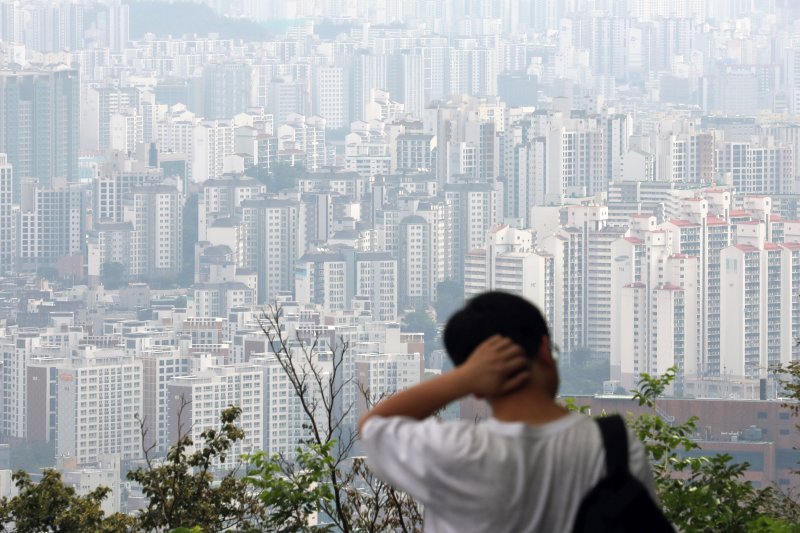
{"x": 494, "y": 476}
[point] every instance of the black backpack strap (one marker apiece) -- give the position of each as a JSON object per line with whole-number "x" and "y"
{"x": 615, "y": 442}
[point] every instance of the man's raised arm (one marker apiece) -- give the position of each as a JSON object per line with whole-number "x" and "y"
{"x": 496, "y": 367}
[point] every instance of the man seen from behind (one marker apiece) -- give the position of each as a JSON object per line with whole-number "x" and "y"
{"x": 527, "y": 467}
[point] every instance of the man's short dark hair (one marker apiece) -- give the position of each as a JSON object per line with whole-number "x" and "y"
{"x": 494, "y": 313}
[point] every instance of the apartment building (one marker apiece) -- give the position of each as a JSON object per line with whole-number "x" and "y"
{"x": 197, "y": 400}
{"x": 98, "y": 395}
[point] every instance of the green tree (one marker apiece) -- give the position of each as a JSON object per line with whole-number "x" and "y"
{"x": 279, "y": 177}
{"x": 766, "y": 524}
{"x": 187, "y": 18}
{"x": 376, "y": 506}
{"x": 293, "y": 491}
{"x": 47, "y": 272}
{"x": 52, "y": 506}
{"x": 31, "y": 455}
{"x": 789, "y": 380}
{"x": 182, "y": 489}
{"x": 583, "y": 373}
{"x": 420, "y": 322}
{"x": 113, "y": 275}
{"x": 449, "y": 298}
{"x": 188, "y": 239}
{"x": 700, "y": 493}
{"x": 358, "y": 500}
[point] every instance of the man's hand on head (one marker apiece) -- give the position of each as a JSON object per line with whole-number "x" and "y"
{"x": 498, "y": 366}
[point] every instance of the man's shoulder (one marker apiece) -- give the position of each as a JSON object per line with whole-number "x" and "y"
{"x": 570, "y": 422}
{"x": 427, "y": 428}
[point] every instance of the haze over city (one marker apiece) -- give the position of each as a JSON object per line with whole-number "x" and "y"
{"x": 179, "y": 182}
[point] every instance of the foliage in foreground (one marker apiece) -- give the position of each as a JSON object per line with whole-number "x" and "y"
{"x": 292, "y": 491}
{"x": 182, "y": 489}
{"x": 703, "y": 493}
{"x": 50, "y": 505}
{"x": 699, "y": 493}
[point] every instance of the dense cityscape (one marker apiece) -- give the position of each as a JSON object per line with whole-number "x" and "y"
{"x": 348, "y": 172}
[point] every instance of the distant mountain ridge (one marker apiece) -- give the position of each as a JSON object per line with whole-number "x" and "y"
{"x": 182, "y": 18}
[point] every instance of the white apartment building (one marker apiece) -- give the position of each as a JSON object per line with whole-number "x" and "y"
{"x": 209, "y": 391}
{"x": 98, "y": 395}
{"x": 581, "y": 255}
{"x": 380, "y": 375}
{"x": 367, "y": 73}
{"x": 758, "y": 318}
{"x": 89, "y": 477}
{"x": 684, "y": 157}
{"x": 764, "y": 167}
{"x": 212, "y": 143}
{"x": 329, "y": 98}
{"x": 475, "y": 207}
{"x": 438, "y": 213}
{"x": 286, "y": 96}
{"x": 509, "y": 262}
{"x": 126, "y": 131}
{"x": 675, "y": 332}
{"x": 16, "y": 351}
{"x": 99, "y": 105}
{"x": 49, "y": 224}
{"x": 340, "y": 181}
{"x": 599, "y": 264}
{"x": 367, "y": 154}
{"x": 728, "y": 309}
{"x": 340, "y": 281}
{"x": 304, "y": 134}
{"x": 568, "y": 322}
{"x": 175, "y": 129}
{"x": 216, "y": 299}
{"x": 717, "y": 237}
{"x": 156, "y": 214}
{"x": 115, "y": 181}
{"x": 416, "y": 278}
{"x": 382, "y": 107}
{"x": 203, "y": 331}
{"x": 160, "y": 365}
{"x": 376, "y": 282}
{"x": 473, "y": 69}
{"x": 270, "y": 244}
{"x": 414, "y": 151}
{"x": 284, "y": 419}
{"x": 221, "y": 198}
{"x": 662, "y": 270}
{"x": 584, "y": 153}
{"x": 7, "y": 226}
{"x": 321, "y": 279}
{"x": 108, "y": 243}
{"x": 638, "y": 261}
{"x": 523, "y": 165}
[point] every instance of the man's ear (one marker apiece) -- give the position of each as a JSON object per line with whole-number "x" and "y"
{"x": 545, "y": 355}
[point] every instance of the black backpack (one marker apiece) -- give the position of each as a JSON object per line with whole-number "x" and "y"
{"x": 619, "y": 503}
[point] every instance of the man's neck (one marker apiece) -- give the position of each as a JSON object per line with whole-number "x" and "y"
{"x": 529, "y": 405}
